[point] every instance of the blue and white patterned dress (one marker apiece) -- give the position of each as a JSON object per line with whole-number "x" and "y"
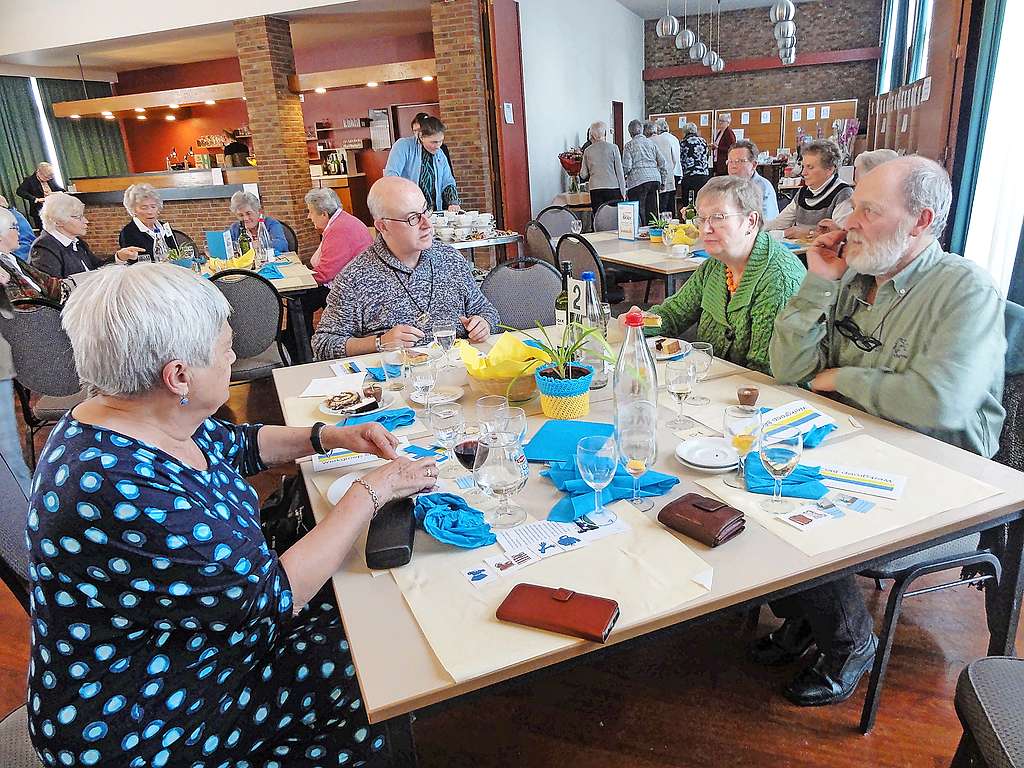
{"x": 162, "y": 628}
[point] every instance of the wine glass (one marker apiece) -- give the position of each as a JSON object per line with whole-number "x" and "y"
{"x": 597, "y": 458}
{"x": 488, "y": 409}
{"x": 780, "y": 453}
{"x": 447, "y": 422}
{"x": 741, "y": 428}
{"x": 702, "y": 354}
{"x": 636, "y": 434}
{"x": 513, "y": 421}
{"x": 392, "y": 360}
{"x": 444, "y": 335}
{"x": 422, "y": 376}
{"x": 466, "y": 447}
{"x": 500, "y": 471}
{"x": 576, "y": 226}
{"x": 681, "y": 378}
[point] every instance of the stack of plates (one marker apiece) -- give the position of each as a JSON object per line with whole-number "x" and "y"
{"x": 707, "y": 454}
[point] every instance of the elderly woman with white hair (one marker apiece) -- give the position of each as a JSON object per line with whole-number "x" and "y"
{"x": 343, "y": 236}
{"x": 643, "y": 166}
{"x": 145, "y": 230}
{"x": 864, "y": 163}
{"x": 668, "y": 145}
{"x": 60, "y": 250}
{"x": 165, "y": 628}
{"x": 246, "y": 207}
{"x": 602, "y": 168}
{"x": 36, "y": 187}
{"x": 823, "y": 191}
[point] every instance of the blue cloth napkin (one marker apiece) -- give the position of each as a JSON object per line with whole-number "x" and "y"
{"x": 813, "y": 438}
{"x": 271, "y": 272}
{"x": 377, "y": 373}
{"x": 450, "y": 520}
{"x": 700, "y": 253}
{"x": 579, "y": 499}
{"x": 557, "y": 439}
{"x": 392, "y": 419}
{"x": 803, "y": 483}
{"x": 792, "y": 246}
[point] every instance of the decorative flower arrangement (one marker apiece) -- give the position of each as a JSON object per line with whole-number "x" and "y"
{"x": 844, "y": 133}
{"x": 572, "y": 162}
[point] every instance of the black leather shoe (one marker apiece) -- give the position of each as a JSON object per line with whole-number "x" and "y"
{"x": 831, "y": 680}
{"x": 787, "y": 643}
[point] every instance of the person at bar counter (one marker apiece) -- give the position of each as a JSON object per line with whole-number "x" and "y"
{"x": 725, "y": 137}
{"x": 823, "y": 191}
{"x": 402, "y": 284}
{"x": 602, "y": 168}
{"x": 735, "y": 295}
{"x": 865, "y": 162}
{"x": 743, "y": 163}
{"x": 888, "y": 322}
{"x": 643, "y": 167}
{"x": 143, "y": 204}
{"x": 693, "y": 158}
{"x": 60, "y": 250}
{"x": 419, "y": 159}
{"x": 668, "y": 145}
{"x": 343, "y": 236}
{"x": 25, "y": 234}
{"x": 246, "y": 206}
{"x": 35, "y": 188}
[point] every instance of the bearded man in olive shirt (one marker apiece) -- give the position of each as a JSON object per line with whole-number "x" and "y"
{"x": 888, "y": 322}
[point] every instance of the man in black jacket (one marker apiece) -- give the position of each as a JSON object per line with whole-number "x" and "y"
{"x": 35, "y": 187}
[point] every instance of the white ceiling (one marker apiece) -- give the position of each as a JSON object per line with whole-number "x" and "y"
{"x": 653, "y": 9}
{"x": 310, "y": 29}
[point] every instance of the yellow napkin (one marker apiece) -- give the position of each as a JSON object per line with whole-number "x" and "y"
{"x": 508, "y": 358}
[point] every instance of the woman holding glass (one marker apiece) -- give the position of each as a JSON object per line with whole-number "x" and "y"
{"x": 735, "y": 295}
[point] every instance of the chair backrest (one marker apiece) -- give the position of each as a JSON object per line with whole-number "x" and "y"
{"x": 1011, "y": 440}
{"x": 186, "y": 245}
{"x": 290, "y": 237}
{"x": 1014, "y": 321}
{"x": 255, "y": 318}
{"x": 523, "y": 292}
{"x": 13, "y": 519}
{"x": 537, "y": 243}
{"x": 607, "y": 217}
{"x": 41, "y": 350}
{"x": 576, "y": 249}
{"x": 557, "y": 220}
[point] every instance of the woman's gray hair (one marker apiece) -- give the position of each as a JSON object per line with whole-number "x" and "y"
{"x": 635, "y": 127}
{"x": 868, "y": 161}
{"x": 598, "y": 131}
{"x": 127, "y": 323}
{"x": 242, "y": 199}
{"x": 137, "y": 193}
{"x": 7, "y": 219}
{"x": 743, "y": 193}
{"x": 827, "y": 152}
{"x": 58, "y": 208}
{"x": 926, "y": 185}
{"x": 323, "y": 200}
{"x": 649, "y": 129}
{"x": 690, "y": 129}
{"x": 662, "y": 125}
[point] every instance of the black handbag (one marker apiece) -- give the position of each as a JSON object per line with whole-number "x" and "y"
{"x": 286, "y": 516}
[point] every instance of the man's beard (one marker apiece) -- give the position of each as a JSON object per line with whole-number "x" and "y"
{"x": 879, "y": 257}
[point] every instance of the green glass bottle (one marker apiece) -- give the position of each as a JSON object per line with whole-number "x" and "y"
{"x": 562, "y": 299}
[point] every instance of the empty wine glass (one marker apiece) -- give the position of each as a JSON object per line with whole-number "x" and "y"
{"x": 392, "y": 360}
{"x": 447, "y": 422}
{"x": 636, "y": 434}
{"x": 513, "y": 421}
{"x": 780, "y": 453}
{"x": 422, "y": 376}
{"x": 741, "y": 427}
{"x": 597, "y": 458}
{"x": 681, "y": 377}
{"x": 500, "y": 471}
{"x": 444, "y": 335}
{"x": 488, "y": 409}
{"x": 702, "y": 354}
{"x": 576, "y": 226}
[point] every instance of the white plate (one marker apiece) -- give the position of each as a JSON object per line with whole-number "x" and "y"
{"x": 684, "y": 348}
{"x": 440, "y": 395}
{"x": 707, "y": 453}
{"x": 385, "y": 402}
{"x": 340, "y": 486}
{"x": 706, "y": 470}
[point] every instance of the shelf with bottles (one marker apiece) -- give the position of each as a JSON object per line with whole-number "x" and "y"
{"x": 347, "y": 124}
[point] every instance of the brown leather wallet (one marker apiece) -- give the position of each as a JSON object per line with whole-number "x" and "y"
{"x": 709, "y": 521}
{"x": 560, "y": 610}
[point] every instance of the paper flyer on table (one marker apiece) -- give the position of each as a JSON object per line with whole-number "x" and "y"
{"x": 350, "y": 382}
{"x": 798, "y": 414}
{"x": 863, "y": 481}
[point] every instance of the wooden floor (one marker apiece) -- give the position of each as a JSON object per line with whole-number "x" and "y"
{"x": 684, "y": 697}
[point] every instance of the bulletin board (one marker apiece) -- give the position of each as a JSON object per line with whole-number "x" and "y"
{"x": 676, "y": 120}
{"x": 798, "y": 115}
{"x": 763, "y": 126}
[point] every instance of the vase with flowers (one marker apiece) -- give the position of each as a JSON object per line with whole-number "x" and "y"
{"x": 572, "y": 164}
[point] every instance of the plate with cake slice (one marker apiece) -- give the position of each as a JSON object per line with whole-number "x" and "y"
{"x": 351, "y": 403}
{"x": 668, "y": 349}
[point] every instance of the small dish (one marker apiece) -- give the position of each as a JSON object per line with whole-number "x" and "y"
{"x": 710, "y": 453}
{"x": 373, "y": 399}
{"x": 706, "y": 470}
{"x": 684, "y": 349}
{"x": 439, "y": 395}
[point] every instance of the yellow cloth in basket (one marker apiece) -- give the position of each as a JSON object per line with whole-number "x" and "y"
{"x": 508, "y": 358}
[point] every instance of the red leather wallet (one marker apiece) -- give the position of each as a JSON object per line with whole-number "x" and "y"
{"x": 560, "y": 610}
{"x": 709, "y": 521}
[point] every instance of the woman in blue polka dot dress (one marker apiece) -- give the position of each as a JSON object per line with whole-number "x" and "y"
{"x": 164, "y": 631}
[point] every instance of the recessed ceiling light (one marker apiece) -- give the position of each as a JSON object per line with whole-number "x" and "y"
{"x": 244, "y": 98}
{"x": 106, "y": 113}
{"x": 319, "y": 90}
{"x": 108, "y": 117}
{"x": 140, "y": 109}
{"x": 76, "y": 117}
{"x": 140, "y": 117}
{"x": 427, "y": 78}
{"x": 173, "y": 106}
{"x": 209, "y": 102}
{"x": 170, "y": 118}
{"x": 371, "y": 84}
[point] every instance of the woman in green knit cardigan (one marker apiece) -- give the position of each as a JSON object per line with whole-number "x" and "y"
{"x": 735, "y": 295}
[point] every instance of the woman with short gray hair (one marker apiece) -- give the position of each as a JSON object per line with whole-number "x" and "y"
{"x": 643, "y": 167}
{"x": 146, "y": 552}
{"x": 668, "y": 145}
{"x": 823, "y": 191}
{"x": 146, "y": 230}
{"x": 343, "y": 236}
{"x": 246, "y": 206}
{"x": 602, "y": 168}
{"x": 693, "y": 160}
{"x": 864, "y": 163}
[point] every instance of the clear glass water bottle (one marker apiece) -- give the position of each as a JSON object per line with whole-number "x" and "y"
{"x": 635, "y": 376}
{"x": 593, "y": 352}
{"x": 264, "y": 245}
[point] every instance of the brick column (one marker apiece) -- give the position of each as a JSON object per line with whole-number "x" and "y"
{"x": 461, "y": 90}
{"x": 275, "y": 118}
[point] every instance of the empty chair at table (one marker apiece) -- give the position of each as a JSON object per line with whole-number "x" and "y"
{"x": 523, "y": 292}
{"x": 577, "y": 250}
{"x": 537, "y": 243}
{"x": 557, "y": 220}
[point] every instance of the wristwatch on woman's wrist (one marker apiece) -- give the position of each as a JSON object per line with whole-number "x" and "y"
{"x": 314, "y": 437}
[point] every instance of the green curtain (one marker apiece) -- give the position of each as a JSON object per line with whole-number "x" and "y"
{"x": 21, "y": 145}
{"x": 86, "y": 147}
{"x": 978, "y": 98}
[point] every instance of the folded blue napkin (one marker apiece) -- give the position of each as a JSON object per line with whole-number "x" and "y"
{"x": 792, "y": 246}
{"x": 700, "y": 253}
{"x": 557, "y": 439}
{"x": 392, "y": 419}
{"x": 803, "y": 483}
{"x": 450, "y": 520}
{"x": 187, "y": 263}
{"x": 579, "y": 498}
{"x": 813, "y": 438}
{"x": 271, "y": 272}
{"x": 377, "y": 373}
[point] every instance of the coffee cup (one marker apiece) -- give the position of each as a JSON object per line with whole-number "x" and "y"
{"x": 445, "y": 233}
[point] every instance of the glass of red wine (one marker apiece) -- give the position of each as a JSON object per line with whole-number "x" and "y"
{"x": 466, "y": 446}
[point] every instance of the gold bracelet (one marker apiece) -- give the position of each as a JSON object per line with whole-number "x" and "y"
{"x": 373, "y": 495}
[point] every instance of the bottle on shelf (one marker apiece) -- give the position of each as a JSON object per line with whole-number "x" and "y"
{"x": 593, "y": 352}
{"x": 264, "y": 247}
{"x": 562, "y": 299}
{"x": 190, "y": 158}
{"x": 635, "y": 376}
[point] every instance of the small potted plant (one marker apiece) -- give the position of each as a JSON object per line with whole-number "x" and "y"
{"x": 657, "y": 226}
{"x": 564, "y": 383}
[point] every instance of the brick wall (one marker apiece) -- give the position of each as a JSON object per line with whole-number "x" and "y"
{"x": 461, "y": 91}
{"x": 265, "y": 55}
{"x": 193, "y": 217}
{"x": 827, "y": 25}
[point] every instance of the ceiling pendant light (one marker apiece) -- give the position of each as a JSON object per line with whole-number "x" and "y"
{"x": 698, "y": 49}
{"x": 685, "y": 37}
{"x": 719, "y": 64}
{"x": 783, "y": 10}
{"x": 668, "y": 25}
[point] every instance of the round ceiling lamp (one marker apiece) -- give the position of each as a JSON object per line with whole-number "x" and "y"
{"x": 668, "y": 25}
{"x": 783, "y": 10}
{"x": 719, "y": 65}
{"x": 685, "y": 38}
{"x": 785, "y": 29}
{"x": 786, "y": 42}
{"x": 709, "y": 59}
{"x": 697, "y": 50}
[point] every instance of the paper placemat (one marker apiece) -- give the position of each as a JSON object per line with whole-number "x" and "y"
{"x": 305, "y": 412}
{"x": 930, "y": 490}
{"x": 600, "y": 237}
{"x": 647, "y": 570}
{"x": 640, "y": 257}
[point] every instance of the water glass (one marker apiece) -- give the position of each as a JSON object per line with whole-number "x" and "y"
{"x": 488, "y": 409}
{"x": 742, "y": 424}
{"x": 392, "y": 360}
{"x": 513, "y": 421}
{"x": 681, "y": 377}
{"x": 447, "y": 422}
{"x": 597, "y": 459}
{"x": 500, "y": 471}
{"x": 780, "y": 454}
{"x": 703, "y": 355}
{"x": 444, "y": 335}
{"x": 422, "y": 377}
{"x": 636, "y": 434}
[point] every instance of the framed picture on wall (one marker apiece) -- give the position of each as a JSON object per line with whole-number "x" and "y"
{"x": 380, "y": 129}
{"x": 402, "y": 115}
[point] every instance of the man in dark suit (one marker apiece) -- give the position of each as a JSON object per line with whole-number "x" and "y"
{"x": 35, "y": 187}
{"x": 724, "y": 139}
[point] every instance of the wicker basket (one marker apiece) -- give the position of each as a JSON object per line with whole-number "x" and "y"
{"x": 523, "y": 388}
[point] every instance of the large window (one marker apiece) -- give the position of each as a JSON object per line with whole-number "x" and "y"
{"x": 906, "y": 30}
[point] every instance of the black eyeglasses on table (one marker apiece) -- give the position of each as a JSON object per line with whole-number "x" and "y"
{"x": 849, "y": 328}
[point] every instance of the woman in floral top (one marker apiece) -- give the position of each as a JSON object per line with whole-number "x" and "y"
{"x": 693, "y": 157}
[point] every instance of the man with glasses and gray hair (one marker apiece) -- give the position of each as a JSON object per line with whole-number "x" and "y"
{"x": 888, "y": 322}
{"x": 403, "y": 285}
{"x": 743, "y": 163}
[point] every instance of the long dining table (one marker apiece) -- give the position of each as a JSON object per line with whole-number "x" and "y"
{"x": 400, "y": 671}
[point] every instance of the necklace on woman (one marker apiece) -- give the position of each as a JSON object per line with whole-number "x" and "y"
{"x": 730, "y": 281}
